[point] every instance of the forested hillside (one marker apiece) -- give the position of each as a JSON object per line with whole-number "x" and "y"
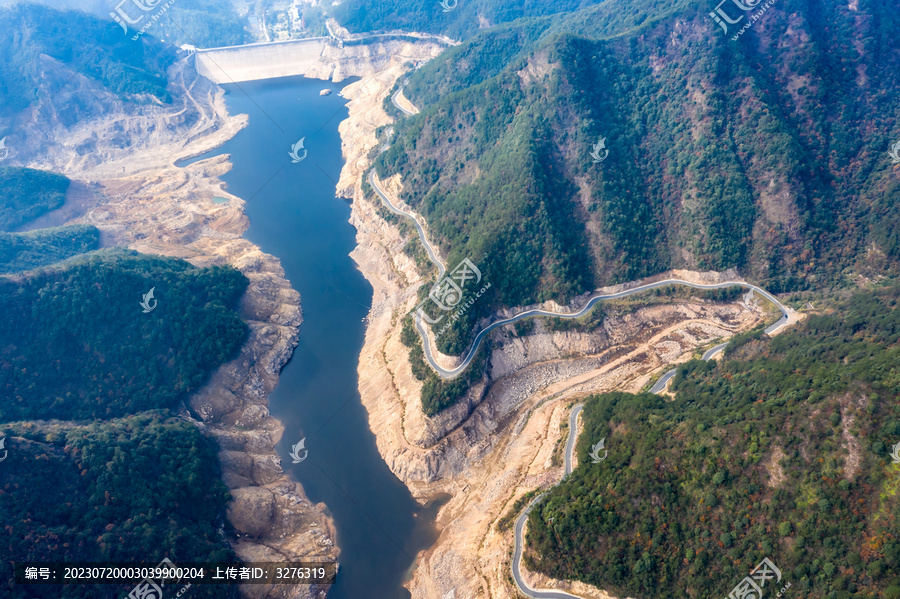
{"x": 76, "y": 344}
{"x": 767, "y": 154}
{"x": 24, "y": 251}
{"x": 203, "y": 23}
{"x": 27, "y": 193}
{"x": 137, "y": 485}
{"x": 782, "y": 451}
{"x": 131, "y": 490}
{"x": 466, "y": 19}
{"x": 461, "y": 20}
{"x": 30, "y": 34}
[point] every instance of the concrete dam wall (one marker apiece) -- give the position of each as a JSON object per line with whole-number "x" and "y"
{"x": 318, "y": 58}
{"x": 260, "y": 61}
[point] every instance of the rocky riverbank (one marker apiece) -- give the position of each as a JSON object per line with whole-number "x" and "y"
{"x": 129, "y": 187}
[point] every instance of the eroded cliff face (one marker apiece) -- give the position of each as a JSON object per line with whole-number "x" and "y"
{"x": 506, "y": 436}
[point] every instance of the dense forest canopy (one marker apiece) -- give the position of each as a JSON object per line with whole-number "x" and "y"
{"x": 459, "y": 20}
{"x": 766, "y": 157}
{"x": 780, "y": 451}
{"x": 30, "y": 34}
{"x": 76, "y": 344}
{"x": 470, "y": 18}
{"x": 24, "y": 251}
{"x": 27, "y": 193}
{"x": 131, "y": 490}
{"x": 201, "y": 23}
{"x": 137, "y": 485}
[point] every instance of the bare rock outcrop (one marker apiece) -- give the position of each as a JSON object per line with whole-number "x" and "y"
{"x": 251, "y": 510}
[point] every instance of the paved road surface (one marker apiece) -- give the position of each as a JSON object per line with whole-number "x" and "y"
{"x": 394, "y": 102}
{"x": 455, "y": 372}
{"x": 568, "y": 459}
{"x": 708, "y": 354}
{"x": 432, "y": 255}
{"x": 520, "y": 522}
{"x": 573, "y": 429}
{"x": 664, "y": 379}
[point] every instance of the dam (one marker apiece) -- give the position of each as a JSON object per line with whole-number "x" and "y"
{"x": 265, "y": 60}
{"x": 329, "y": 58}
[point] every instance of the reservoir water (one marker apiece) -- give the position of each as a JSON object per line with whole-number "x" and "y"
{"x": 295, "y": 216}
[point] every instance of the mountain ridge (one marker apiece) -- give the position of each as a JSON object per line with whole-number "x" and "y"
{"x": 722, "y": 154}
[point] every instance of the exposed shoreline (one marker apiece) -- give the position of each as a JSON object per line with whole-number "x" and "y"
{"x": 486, "y": 451}
{"x": 139, "y": 199}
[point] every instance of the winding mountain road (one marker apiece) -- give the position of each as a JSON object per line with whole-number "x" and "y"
{"x": 402, "y": 109}
{"x": 452, "y": 373}
{"x": 576, "y": 410}
{"x": 597, "y": 297}
{"x": 663, "y": 381}
{"x": 708, "y": 354}
{"x": 520, "y": 522}
{"x": 356, "y": 38}
{"x": 568, "y": 459}
{"x": 573, "y": 429}
{"x": 432, "y": 254}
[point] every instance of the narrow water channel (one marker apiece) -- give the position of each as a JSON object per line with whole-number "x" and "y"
{"x": 295, "y": 216}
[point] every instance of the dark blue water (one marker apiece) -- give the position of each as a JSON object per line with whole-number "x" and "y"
{"x": 295, "y": 216}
